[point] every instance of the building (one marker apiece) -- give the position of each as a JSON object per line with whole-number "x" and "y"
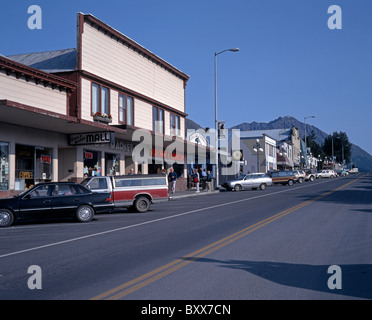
{"x": 83, "y": 111}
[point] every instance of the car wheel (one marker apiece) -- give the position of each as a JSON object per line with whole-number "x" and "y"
{"x": 142, "y": 204}
{"x": 300, "y": 180}
{"x": 263, "y": 186}
{"x": 238, "y": 187}
{"x": 312, "y": 178}
{"x": 84, "y": 213}
{"x": 6, "y": 218}
{"x": 290, "y": 182}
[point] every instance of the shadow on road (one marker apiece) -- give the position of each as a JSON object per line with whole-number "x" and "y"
{"x": 358, "y": 193}
{"x": 356, "y": 279}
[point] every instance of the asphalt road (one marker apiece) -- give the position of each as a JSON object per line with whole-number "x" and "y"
{"x": 273, "y": 244}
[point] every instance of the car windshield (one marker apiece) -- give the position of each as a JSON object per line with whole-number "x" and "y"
{"x": 241, "y": 177}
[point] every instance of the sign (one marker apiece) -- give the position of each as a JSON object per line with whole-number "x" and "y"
{"x": 45, "y": 159}
{"x": 88, "y": 155}
{"x": 156, "y": 153}
{"x": 91, "y": 138}
{"x": 25, "y": 175}
{"x": 121, "y": 145}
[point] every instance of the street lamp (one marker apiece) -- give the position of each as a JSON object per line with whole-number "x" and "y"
{"x": 257, "y": 148}
{"x": 305, "y": 136}
{"x": 215, "y": 108}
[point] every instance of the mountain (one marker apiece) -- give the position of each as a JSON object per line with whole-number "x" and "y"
{"x": 361, "y": 158}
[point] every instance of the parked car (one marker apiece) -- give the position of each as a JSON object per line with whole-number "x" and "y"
{"x": 326, "y": 174}
{"x": 300, "y": 175}
{"x": 310, "y": 175}
{"x": 283, "y": 177}
{"x": 249, "y": 181}
{"x": 131, "y": 191}
{"x": 53, "y": 200}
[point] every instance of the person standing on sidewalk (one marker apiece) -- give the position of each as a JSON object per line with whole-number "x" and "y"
{"x": 172, "y": 178}
{"x": 196, "y": 179}
{"x": 209, "y": 181}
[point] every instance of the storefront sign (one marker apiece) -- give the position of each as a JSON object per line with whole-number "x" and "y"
{"x": 161, "y": 154}
{"x": 121, "y": 145}
{"x": 91, "y": 138}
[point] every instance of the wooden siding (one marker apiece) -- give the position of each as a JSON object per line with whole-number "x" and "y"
{"x": 114, "y": 61}
{"x": 31, "y": 94}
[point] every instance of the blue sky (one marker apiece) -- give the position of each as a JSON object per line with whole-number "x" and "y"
{"x": 289, "y": 63}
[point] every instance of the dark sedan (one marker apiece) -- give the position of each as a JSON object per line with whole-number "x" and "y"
{"x": 54, "y": 200}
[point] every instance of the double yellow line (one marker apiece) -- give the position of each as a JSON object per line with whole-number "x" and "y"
{"x": 150, "y": 277}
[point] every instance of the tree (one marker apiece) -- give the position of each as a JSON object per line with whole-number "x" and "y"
{"x": 315, "y": 148}
{"x": 341, "y": 146}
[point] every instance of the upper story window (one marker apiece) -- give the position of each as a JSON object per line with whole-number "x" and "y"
{"x": 100, "y": 99}
{"x": 157, "y": 120}
{"x": 174, "y": 125}
{"x": 126, "y": 109}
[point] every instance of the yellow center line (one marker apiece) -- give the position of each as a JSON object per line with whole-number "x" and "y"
{"x": 150, "y": 277}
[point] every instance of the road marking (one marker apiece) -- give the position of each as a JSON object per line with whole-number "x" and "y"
{"x": 152, "y": 276}
{"x": 151, "y": 221}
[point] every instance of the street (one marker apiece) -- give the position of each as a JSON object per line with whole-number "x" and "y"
{"x": 274, "y": 244}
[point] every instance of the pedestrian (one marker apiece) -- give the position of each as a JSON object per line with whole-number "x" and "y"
{"x": 131, "y": 172}
{"x": 209, "y": 181}
{"x": 204, "y": 179}
{"x": 172, "y": 178}
{"x": 196, "y": 179}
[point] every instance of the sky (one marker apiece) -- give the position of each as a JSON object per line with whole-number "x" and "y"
{"x": 289, "y": 63}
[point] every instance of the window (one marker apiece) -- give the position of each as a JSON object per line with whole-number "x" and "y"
{"x": 174, "y": 125}
{"x": 98, "y": 184}
{"x": 158, "y": 120}
{"x": 4, "y": 166}
{"x": 40, "y": 192}
{"x": 100, "y": 99}
{"x": 95, "y": 98}
{"x": 126, "y": 109}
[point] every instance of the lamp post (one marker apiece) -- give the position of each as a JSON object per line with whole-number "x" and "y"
{"x": 257, "y": 148}
{"x": 215, "y": 109}
{"x": 305, "y": 136}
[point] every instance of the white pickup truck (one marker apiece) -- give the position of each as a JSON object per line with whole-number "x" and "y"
{"x": 136, "y": 191}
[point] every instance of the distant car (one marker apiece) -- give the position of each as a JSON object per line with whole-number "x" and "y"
{"x": 326, "y": 174}
{"x": 53, "y": 200}
{"x": 310, "y": 175}
{"x": 300, "y": 175}
{"x": 248, "y": 181}
{"x": 283, "y": 177}
{"x": 344, "y": 173}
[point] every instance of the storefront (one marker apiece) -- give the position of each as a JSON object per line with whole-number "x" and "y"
{"x": 4, "y": 166}
{"x": 33, "y": 165}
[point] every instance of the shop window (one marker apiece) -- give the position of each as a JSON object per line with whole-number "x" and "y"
{"x": 112, "y": 164}
{"x": 92, "y": 163}
{"x": 4, "y": 166}
{"x": 33, "y": 165}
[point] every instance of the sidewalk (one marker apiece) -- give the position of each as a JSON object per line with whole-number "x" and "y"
{"x": 190, "y": 193}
